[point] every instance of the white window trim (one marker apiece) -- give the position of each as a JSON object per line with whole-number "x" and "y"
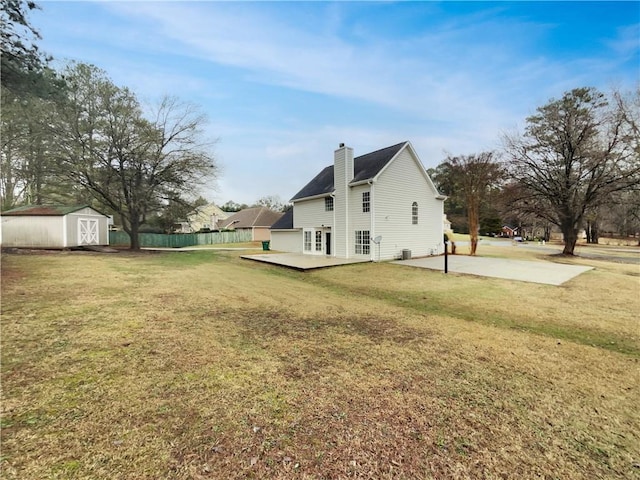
{"x": 314, "y": 234}
{"x": 365, "y": 245}
{"x": 304, "y": 241}
{"x": 328, "y": 202}
{"x": 366, "y": 204}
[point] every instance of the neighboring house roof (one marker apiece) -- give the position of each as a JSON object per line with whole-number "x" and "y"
{"x": 46, "y": 210}
{"x": 285, "y": 222}
{"x": 365, "y": 167}
{"x": 252, "y": 217}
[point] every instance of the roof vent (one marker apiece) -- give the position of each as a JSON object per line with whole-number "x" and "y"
{"x": 341, "y": 145}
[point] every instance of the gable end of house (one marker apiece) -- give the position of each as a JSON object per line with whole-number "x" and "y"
{"x": 365, "y": 168}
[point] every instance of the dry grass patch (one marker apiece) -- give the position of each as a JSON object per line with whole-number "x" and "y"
{"x": 597, "y": 308}
{"x": 200, "y": 365}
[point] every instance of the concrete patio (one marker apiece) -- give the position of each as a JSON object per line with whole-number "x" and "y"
{"x": 548, "y": 273}
{"x": 302, "y": 262}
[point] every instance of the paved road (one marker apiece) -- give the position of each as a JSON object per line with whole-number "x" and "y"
{"x": 607, "y": 253}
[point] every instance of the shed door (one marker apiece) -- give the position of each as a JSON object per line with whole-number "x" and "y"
{"x": 88, "y": 231}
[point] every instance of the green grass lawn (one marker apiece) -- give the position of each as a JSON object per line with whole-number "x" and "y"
{"x": 198, "y": 365}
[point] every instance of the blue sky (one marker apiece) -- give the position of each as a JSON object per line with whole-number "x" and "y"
{"x": 283, "y": 83}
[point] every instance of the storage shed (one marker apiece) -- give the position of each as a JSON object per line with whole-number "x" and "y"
{"x": 53, "y": 226}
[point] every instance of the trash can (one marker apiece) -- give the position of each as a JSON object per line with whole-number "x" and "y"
{"x": 406, "y": 254}
{"x": 265, "y": 245}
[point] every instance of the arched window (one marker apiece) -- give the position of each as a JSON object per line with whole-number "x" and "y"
{"x": 414, "y": 213}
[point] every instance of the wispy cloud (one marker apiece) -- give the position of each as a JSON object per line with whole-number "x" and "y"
{"x": 627, "y": 43}
{"x": 461, "y": 69}
{"x": 284, "y": 82}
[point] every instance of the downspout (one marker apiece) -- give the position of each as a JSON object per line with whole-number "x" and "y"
{"x": 347, "y": 232}
{"x": 333, "y": 225}
{"x": 64, "y": 231}
{"x": 372, "y": 220}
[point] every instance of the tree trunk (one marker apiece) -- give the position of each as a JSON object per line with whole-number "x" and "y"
{"x": 474, "y": 225}
{"x": 134, "y": 234}
{"x": 592, "y": 231}
{"x": 474, "y": 243}
{"x": 570, "y": 236}
{"x": 595, "y": 233}
{"x": 135, "y": 238}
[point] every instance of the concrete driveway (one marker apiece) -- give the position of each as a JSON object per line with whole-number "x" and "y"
{"x": 521, "y": 270}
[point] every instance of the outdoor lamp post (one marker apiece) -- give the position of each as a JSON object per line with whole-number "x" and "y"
{"x": 446, "y": 248}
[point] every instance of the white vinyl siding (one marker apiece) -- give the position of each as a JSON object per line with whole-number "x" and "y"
{"x": 358, "y": 220}
{"x": 311, "y": 214}
{"x": 401, "y": 184}
{"x": 312, "y": 217}
{"x": 342, "y": 174}
{"x": 286, "y": 240}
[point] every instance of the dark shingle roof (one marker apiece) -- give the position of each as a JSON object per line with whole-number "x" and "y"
{"x": 321, "y": 183}
{"x": 365, "y": 167}
{"x": 285, "y": 222}
{"x": 44, "y": 210}
{"x": 252, "y": 217}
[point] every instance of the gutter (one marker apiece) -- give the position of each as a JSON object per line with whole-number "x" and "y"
{"x": 361, "y": 182}
{"x": 313, "y": 197}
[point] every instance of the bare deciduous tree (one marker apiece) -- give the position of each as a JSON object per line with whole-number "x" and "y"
{"x": 471, "y": 179}
{"x": 130, "y": 163}
{"x": 575, "y": 153}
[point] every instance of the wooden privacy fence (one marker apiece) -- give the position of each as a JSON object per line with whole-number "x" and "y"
{"x": 181, "y": 239}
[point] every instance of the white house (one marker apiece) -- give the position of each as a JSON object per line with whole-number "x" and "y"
{"x": 378, "y": 206}
{"x": 54, "y": 226}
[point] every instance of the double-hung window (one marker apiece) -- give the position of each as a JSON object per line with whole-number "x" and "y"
{"x": 362, "y": 242}
{"x": 366, "y": 202}
{"x": 328, "y": 204}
